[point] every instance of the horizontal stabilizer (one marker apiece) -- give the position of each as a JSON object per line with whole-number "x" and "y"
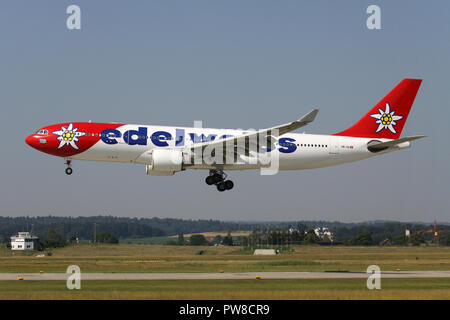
{"x": 379, "y": 146}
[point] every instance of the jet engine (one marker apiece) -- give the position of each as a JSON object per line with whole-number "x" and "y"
{"x": 164, "y": 162}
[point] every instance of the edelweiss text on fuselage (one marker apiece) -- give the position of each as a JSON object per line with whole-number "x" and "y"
{"x": 160, "y": 138}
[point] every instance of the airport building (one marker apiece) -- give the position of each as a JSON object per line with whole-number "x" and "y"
{"x": 323, "y": 233}
{"x": 24, "y": 241}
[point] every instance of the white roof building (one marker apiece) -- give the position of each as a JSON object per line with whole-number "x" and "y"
{"x": 23, "y": 241}
{"x": 323, "y": 232}
{"x": 265, "y": 252}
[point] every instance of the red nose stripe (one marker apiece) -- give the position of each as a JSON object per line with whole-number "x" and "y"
{"x": 64, "y": 140}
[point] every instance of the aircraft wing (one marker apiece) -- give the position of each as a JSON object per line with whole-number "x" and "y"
{"x": 252, "y": 138}
{"x": 288, "y": 127}
{"x": 378, "y": 146}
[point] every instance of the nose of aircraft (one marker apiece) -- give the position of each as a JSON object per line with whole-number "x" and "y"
{"x": 31, "y": 141}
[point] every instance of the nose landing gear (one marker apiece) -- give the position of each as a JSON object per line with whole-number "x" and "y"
{"x": 68, "y": 169}
{"x": 218, "y": 178}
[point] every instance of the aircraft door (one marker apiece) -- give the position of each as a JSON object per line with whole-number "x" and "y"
{"x": 334, "y": 145}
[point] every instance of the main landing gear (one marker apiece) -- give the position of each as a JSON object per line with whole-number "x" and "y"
{"x": 68, "y": 169}
{"x": 218, "y": 178}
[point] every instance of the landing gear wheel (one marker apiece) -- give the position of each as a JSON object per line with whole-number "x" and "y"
{"x": 216, "y": 178}
{"x": 210, "y": 180}
{"x": 221, "y": 187}
{"x": 68, "y": 169}
{"x": 228, "y": 184}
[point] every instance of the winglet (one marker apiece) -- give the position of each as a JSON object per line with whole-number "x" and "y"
{"x": 303, "y": 121}
{"x": 309, "y": 117}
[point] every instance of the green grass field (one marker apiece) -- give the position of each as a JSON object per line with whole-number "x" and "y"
{"x": 148, "y": 240}
{"x": 158, "y": 258}
{"x": 230, "y": 289}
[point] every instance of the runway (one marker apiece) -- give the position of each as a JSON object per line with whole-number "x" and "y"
{"x": 222, "y": 276}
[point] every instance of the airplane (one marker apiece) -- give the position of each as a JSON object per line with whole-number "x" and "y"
{"x": 166, "y": 150}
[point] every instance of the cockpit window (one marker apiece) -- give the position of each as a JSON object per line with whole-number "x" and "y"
{"x": 42, "y": 132}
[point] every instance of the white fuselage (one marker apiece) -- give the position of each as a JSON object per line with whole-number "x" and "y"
{"x": 296, "y": 151}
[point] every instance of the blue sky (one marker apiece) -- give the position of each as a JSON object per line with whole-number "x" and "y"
{"x": 231, "y": 64}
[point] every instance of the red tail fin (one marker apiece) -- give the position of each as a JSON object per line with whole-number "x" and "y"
{"x": 387, "y": 118}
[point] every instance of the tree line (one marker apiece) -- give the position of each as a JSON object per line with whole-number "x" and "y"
{"x": 83, "y": 227}
{"x": 56, "y": 231}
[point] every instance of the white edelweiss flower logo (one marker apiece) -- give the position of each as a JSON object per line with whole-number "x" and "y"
{"x": 386, "y": 119}
{"x": 68, "y": 136}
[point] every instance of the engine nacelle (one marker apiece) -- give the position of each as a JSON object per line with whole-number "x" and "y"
{"x": 164, "y": 162}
